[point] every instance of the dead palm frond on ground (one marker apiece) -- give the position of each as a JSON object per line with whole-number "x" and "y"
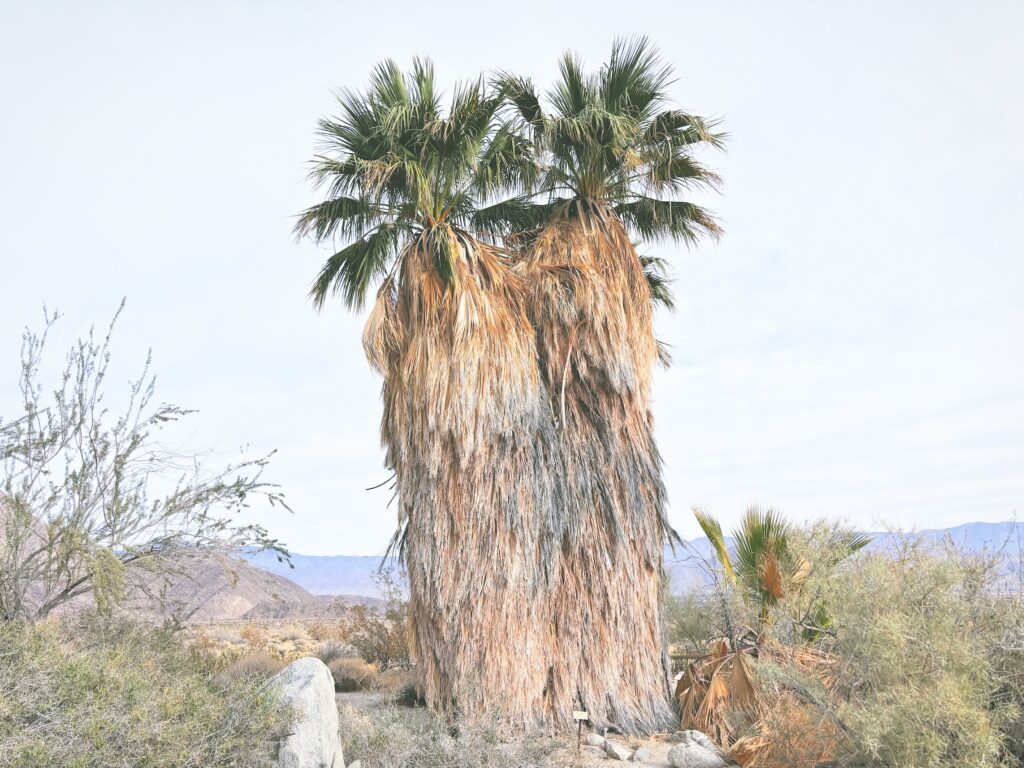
{"x": 412, "y": 188}
{"x": 613, "y": 162}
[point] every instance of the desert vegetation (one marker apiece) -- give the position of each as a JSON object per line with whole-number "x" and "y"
{"x": 807, "y": 649}
{"x": 497, "y": 234}
{"x": 95, "y": 512}
{"x": 97, "y": 692}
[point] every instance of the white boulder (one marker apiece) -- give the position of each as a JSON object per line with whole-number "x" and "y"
{"x": 307, "y": 686}
{"x": 696, "y": 750}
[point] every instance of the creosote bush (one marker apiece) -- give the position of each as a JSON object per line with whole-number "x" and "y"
{"x": 105, "y": 693}
{"x": 353, "y": 675}
{"x": 930, "y": 656}
{"x": 379, "y": 635}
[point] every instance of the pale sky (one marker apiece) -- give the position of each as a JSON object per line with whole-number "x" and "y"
{"x": 852, "y": 348}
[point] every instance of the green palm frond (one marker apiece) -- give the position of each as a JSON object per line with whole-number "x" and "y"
{"x": 395, "y": 163}
{"x": 520, "y": 93}
{"x": 635, "y": 80}
{"x": 762, "y": 538}
{"x": 660, "y": 285}
{"x": 339, "y": 217}
{"x": 654, "y": 219}
{"x": 513, "y": 215}
{"x": 846, "y": 543}
{"x": 352, "y": 270}
{"x": 713, "y": 530}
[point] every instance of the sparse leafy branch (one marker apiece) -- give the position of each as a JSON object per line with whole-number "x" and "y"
{"x": 91, "y": 503}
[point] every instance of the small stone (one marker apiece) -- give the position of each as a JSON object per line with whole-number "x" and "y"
{"x": 355, "y": 764}
{"x": 642, "y": 755}
{"x": 593, "y": 740}
{"x": 616, "y": 751}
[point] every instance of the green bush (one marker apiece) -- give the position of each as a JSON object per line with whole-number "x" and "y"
{"x": 101, "y": 693}
{"x": 930, "y": 659}
{"x": 379, "y": 636}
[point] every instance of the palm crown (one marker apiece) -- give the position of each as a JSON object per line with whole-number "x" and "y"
{"x": 399, "y": 169}
{"x": 611, "y": 140}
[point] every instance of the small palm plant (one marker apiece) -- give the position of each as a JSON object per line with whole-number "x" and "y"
{"x": 764, "y": 565}
{"x": 765, "y": 568}
{"x": 720, "y": 690}
{"x": 415, "y": 193}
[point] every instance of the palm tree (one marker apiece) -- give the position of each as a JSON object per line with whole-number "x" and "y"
{"x": 612, "y": 162}
{"x": 414, "y": 192}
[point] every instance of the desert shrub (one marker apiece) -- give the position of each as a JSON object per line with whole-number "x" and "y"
{"x": 323, "y": 631}
{"x": 911, "y": 656}
{"x": 929, "y": 652}
{"x": 331, "y": 650}
{"x": 254, "y": 635}
{"x": 93, "y": 504}
{"x": 100, "y": 693}
{"x": 690, "y": 621}
{"x": 379, "y": 635}
{"x": 354, "y": 675}
{"x": 255, "y": 665}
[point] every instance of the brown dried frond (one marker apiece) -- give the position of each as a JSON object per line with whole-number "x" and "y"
{"x": 468, "y": 433}
{"x": 590, "y": 305}
{"x": 761, "y": 728}
{"x": 742, "y": 691}
{"x": 771, "y": 576}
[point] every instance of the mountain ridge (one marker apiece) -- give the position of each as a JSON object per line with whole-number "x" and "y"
{"x": 354, "y": 574}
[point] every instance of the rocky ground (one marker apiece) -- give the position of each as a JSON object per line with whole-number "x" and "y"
{"x": 369, "y": 721}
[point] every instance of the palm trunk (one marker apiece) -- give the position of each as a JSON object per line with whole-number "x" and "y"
{"x": 591, "y": 309}
{"x": 468, "y": 435}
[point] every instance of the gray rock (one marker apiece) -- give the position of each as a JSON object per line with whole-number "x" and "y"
{"x": 355, "y": 764}
{"x": 593, "y": 751}
{"x": 307, "y": 687}
{"x": 692, "y": 755}
{"x": 642, "y": 755}
{"x": 616, "y": 751}
{"x": 701, "y": 739}
{"x": 593, "y": 740}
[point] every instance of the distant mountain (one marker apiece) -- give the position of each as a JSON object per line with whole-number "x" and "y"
{"x": 354, "y": 575}
{"x": 324, "y": 574}
{"x": 207, "y": 589}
